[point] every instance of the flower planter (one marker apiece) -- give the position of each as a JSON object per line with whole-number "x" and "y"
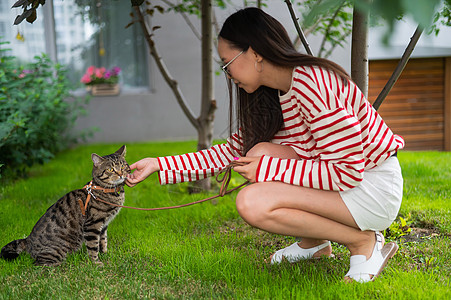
{"x": 105, "y": 89}
{"x": 101, "y": 82}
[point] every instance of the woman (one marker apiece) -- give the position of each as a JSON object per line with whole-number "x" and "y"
{"x": 322, "y": 161}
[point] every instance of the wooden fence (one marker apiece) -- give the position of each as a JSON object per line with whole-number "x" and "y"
{"x": 419, "y": 106}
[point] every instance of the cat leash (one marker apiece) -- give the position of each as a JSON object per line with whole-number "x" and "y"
{"x": 89, "y": 187}
{"x": 224, "y": 180}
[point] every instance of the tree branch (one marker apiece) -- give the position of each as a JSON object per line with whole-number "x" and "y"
{"x": 307, "y": 31}
{"x": 399, "y": 68}
{"x": 298, "y": 28}
{"x": 173, "y": 84}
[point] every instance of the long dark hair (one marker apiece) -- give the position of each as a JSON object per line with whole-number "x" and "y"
{"x": 259, "y": 115}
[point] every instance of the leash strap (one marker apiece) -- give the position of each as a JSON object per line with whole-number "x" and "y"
{"x": 224, "y": 180}
{"x": 89, "y": 187}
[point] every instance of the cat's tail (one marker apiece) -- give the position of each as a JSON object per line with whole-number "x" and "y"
{"x": 12, "y": 250}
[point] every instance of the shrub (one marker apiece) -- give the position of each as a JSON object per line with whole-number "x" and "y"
{"x": 35, "y": 114}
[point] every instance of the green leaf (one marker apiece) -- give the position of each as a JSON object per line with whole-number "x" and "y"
{"x": 403, "y": 222}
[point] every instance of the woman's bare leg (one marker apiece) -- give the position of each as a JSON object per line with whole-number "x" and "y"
{"x": 287, "y": 152}
{"x": 314, "y": 215}
{"x": 302, "y": 212}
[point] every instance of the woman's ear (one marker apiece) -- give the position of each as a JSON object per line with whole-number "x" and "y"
{"x": 258, "y": 57}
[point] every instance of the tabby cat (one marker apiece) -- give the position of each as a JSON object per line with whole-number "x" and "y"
{"x": 77, "y": 217}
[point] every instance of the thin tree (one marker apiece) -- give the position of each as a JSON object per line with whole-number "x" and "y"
{"x": 204, "y": 123}
{"x": 359, "y": 49}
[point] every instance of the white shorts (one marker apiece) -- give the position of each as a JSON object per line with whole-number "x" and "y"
{"x": 375, "y": 203}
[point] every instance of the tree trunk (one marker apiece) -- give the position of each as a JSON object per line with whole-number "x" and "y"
{"x": 359, "y": 50}
{"x": 208, "y": 104}
{"x": 204, "y": 124}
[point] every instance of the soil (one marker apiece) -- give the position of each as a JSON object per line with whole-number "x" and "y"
{"x": 420, "y": 234}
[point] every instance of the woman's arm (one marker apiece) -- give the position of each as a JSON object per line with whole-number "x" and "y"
{"x": 186, "y": 167}
{"x": 197, "y": 165}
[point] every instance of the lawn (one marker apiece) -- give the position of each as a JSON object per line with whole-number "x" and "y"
{"x": 207, "y": 251}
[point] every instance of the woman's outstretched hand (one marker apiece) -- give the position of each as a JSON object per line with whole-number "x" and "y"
{"x": 143, "y": 169}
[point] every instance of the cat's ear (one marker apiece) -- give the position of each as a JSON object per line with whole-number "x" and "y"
{"x": 122, "y": 150}
{"x": 96, "y": 159}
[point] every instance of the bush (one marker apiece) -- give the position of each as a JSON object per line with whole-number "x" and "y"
{"x": 35, "y": 116}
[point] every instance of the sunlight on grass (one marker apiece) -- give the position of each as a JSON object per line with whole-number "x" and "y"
{"x": 207, "y": 251}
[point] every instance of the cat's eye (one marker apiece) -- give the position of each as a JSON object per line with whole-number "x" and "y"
{"x": 111, "y": 169}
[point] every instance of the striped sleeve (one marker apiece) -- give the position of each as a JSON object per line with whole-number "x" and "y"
{"x": 198, "y": 165}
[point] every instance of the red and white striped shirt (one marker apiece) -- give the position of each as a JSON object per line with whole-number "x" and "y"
{"x": 327, "y": 121}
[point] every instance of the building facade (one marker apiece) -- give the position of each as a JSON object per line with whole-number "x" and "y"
{"x": 146, "y": 108}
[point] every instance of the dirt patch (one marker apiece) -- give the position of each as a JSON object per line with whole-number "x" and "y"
{"x": 420, "y": 234}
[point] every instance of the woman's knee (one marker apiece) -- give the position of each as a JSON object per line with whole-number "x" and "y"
{"x": 259, "y": 149}
{"x": 270, "y": 149}
{"x": 248, "y": 205}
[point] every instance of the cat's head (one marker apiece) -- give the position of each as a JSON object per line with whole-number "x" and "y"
{"x": 110, "y": 170}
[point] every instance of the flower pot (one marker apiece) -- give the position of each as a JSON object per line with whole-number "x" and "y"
{"x": 105, "y": 89}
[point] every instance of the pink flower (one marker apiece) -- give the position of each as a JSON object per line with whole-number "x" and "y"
{"x": 86, "y": 79}
{"x": 100, "y": 72}
{"x": 90, "y": 71}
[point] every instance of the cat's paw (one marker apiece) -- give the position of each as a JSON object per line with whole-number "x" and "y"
{"x": 103, "y": 245}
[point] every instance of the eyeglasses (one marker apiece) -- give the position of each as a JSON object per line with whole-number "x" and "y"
{"x": 224, "y": 67}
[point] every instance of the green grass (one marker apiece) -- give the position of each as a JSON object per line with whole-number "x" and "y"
{"x": 206, "y": 250}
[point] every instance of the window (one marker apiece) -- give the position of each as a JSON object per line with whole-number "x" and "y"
{"x": 87, "y": 32}
{"x": 22, "y": 39}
